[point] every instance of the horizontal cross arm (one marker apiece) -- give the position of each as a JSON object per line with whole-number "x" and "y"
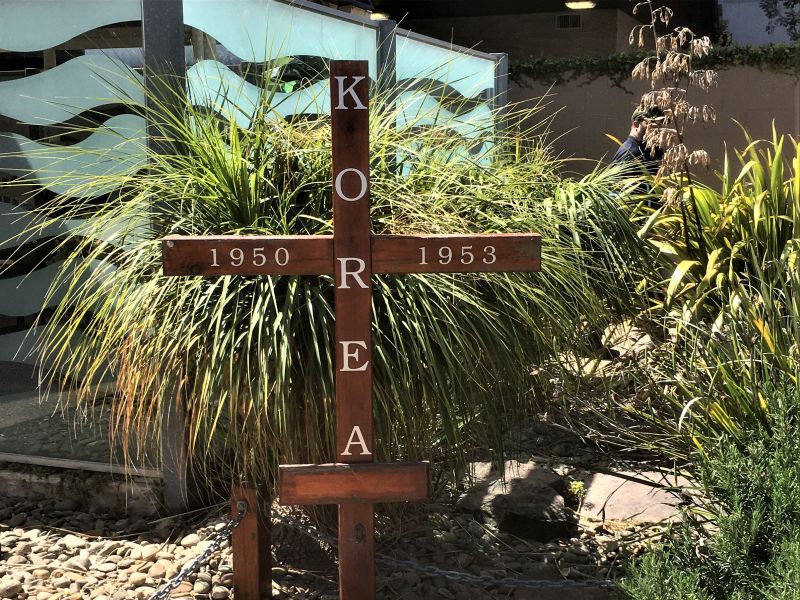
{"x": 248, "y": 255}
{"x": 489, "y": 253}
{"x": 364, "y": 483}
{"x": 313, "y": 254}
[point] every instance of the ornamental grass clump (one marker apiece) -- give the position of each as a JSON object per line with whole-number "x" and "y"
{"x": 250, "y": 360}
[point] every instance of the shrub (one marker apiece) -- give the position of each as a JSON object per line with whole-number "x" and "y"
{"x": 748, "y": 549}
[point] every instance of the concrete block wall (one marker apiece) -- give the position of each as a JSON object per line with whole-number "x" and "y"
{"x": 589, "y": 110}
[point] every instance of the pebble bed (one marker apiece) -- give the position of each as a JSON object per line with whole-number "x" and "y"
{"x": 51, "y": 550}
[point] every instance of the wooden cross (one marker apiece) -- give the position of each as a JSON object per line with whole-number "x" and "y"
{"x": 354, "y": 482}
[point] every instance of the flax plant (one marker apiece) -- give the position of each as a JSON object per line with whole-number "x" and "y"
{"x": 734, "y": 323}
{"x": 251, "y": 359}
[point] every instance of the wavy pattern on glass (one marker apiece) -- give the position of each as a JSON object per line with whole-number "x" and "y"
{"x": 468, "y": 74}
{"x": 89, "y": 168}
{"x": 26, "y": 347}
{"x": 30, "y": 293}
{"x": 428, "y": 102}
{"x": 29, "y": 25}
{"x": 21, "y": 346}
{"x": 215, "y": 86}
{"x": 447, "y": 96}
{"x": 20, "y": 226}
{"x": 61, "y": 93}
{"x": 263, "y": 30}
{"x": 416, "y": 109}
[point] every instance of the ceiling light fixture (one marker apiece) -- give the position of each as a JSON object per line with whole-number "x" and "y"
{"x": 378, "y": 16}
{"x": 581, "y": 4}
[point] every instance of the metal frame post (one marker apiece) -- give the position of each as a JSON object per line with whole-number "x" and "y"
{"x": 165, "y": 65}
{"x": 500, "y": 100}
{"x": 387, "y": 54}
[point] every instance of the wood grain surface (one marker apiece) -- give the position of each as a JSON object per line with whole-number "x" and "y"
{"x": 352, "y": 483}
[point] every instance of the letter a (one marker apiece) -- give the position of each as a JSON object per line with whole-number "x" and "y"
{"x": 350, "y": 90}
{"x": 356, "y": 438}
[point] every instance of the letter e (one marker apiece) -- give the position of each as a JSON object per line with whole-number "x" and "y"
{"x": 348, "y": 354}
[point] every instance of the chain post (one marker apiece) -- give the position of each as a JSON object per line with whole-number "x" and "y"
{"x": 252, "y": 568}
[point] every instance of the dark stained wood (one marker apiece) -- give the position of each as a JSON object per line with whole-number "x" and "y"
{"x": 350, "y": 131}
{"x": 260, "y": 255}
{"x": 456, "y": 253}
{"x": 357, "y": 483}
{"x": 252, "y": 568}
{"x": 351, "y": 204}
{"x": 356, "y": 552}
{"x": 313, "y": 255}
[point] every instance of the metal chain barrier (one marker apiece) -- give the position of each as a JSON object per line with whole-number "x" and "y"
{"x": 411, "y": 565}
{"x": 201, "y": 560}
{"x": 460, "y": 576}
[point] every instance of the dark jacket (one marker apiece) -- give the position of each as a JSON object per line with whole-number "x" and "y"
{"x": 634, "y": 150}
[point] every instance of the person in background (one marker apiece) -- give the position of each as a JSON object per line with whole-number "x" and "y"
{"x": 634, "y": 148}
{"x": 639, "y": 159}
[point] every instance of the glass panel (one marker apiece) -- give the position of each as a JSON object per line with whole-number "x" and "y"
{"x": 446, "y": 88}
{"x": 263, "y": 30}
{"x": 116, "y": 147}
{"x": 30, "y": 422}
{"x": 469, "y": 75}
{"x": 29, "y": 25}
{"x": 214, "y": 85}
{"x": 35, "y": 426}
{"x": 58, "y": 94}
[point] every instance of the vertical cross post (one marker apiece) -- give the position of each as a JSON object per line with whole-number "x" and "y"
{"x": 353, "y": 297}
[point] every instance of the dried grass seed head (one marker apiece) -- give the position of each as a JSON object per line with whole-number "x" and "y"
{"x": 675, "y": 157}
{"x": 701, "y": 46}
{"x": 670, "y": 197}
{"x": 661, "y": 137}
{"x": 700, "y": 157}
{"x": 642, "y": 70}
{"x": 704, "y": 79}
{"x": 664, "y": 14}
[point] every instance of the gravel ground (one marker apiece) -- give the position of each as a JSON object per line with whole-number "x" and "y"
{"x": 51, "y": 550}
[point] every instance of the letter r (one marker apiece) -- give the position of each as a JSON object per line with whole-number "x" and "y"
{"x": 355, "y": 274}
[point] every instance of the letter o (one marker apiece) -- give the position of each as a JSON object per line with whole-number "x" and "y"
{"x": 338, "y": 185}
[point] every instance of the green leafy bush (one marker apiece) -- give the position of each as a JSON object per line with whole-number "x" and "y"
{"x": 727, "y": 310}
{"x": 749, "y": 547}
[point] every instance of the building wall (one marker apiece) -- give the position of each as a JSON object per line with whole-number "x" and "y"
{"x": 625, "y": 23}
{"x": 523, "y": 35}
{"x": 586, "y": 113}
{"x": 747, "y": 23}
